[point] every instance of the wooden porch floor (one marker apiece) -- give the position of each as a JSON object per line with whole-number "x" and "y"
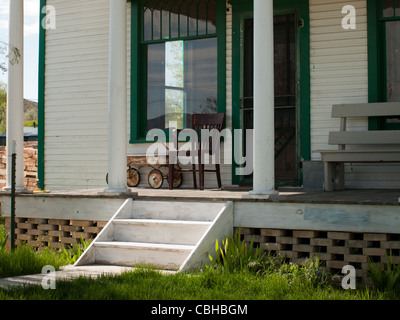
{"x": 289, "y": 195}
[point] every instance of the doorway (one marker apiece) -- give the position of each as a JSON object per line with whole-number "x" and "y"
{"x": 287, "y": 63}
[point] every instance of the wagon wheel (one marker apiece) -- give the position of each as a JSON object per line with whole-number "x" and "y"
{"x": 155, "y": 179}
{"x": 178, "y": 179}
{"x": 133, "y": 177}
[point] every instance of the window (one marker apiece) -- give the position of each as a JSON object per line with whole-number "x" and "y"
{"x": 178, "y": 70}
{"x": 181, "y": 80}
{"x": 390, "y": 8}
{"x": 384, "y": 57}
{"x": 171, "y": 19}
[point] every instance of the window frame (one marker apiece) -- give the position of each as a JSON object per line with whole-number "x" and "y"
{"x": 377, "y": 77}
{"x": 138, "y": 116}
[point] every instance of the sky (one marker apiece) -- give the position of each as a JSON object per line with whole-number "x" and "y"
{"x": 31, "y": 44}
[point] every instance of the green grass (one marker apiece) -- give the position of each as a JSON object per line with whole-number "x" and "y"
{"x": 144, "y": 284}
{"x": 25, "y": 260}
{"x": 237, "y": 278}
{"x": 31, "y": 123}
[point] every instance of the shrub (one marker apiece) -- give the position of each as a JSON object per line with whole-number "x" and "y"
{"x": 308, "y": 270}
{"x": 72, "y": 253}
{"x": 235, "y": 254}
{"x": 385, "y": 278}
{"x": 3, "y": 238}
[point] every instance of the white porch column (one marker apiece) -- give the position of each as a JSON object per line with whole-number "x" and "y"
{"x": 117, "y": 100}
{"x": 15, "y": 94}
{"x": 264, "y": 132}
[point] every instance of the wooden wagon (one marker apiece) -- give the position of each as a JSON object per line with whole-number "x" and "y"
{"x": 155, "y": 178}
{"x": 159, "y": 171}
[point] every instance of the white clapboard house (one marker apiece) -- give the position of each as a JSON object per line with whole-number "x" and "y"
{"x": 166, "y": 60}
{"x": 292, "y": 71}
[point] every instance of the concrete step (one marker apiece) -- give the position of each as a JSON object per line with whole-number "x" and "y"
{"x": 159, "y": 255}
{"x": 159, "y": 231}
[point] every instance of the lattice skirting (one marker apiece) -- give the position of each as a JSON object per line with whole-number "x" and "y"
{"x": 336, "y": 249}
{"x": 53, "y": 233}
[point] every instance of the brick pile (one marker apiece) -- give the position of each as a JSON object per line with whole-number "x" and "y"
{"x": 30, "y": 165}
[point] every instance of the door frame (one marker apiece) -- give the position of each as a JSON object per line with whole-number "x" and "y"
{"x": 377, "y": 62}
{"x": 244, "y": 8}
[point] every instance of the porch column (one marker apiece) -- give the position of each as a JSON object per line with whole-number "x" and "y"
{"x": 264, "y": 132}
{"x": 15, "y": 94}
{"x": 117, "y": 99}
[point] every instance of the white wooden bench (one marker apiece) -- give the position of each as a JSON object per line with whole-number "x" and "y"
{"x": 379, "y": 146}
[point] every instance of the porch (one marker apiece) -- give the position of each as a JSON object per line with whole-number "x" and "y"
{"x": 341, "y": 228}
{"x": 286, "y": 195}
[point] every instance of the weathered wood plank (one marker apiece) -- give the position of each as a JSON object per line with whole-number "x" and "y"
{"x": 59, "y": 208}
{"x": 364, "y": 156}
{"x": 364, "y": 137}
{"x": 327, "y": 217}
{"x": 366, "y": 110}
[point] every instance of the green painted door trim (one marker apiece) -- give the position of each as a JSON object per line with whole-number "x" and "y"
{"x": 375, "y": 74}
{"x": 377, "y": 62}
{"x": 135, "y": 71}
{"x": 41, "y": 98}
{"x": 138, "y": 72}
{"x": 245, "y": 7}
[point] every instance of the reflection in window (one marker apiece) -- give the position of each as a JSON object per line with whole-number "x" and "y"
{"x": 181, "y": 80}
{"x": 388, "y": 10}
{"x": 174, "y": 83}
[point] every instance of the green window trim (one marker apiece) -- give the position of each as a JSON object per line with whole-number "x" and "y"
{"x": 377, "y": 60}
{"x": 41, "y": 99}
{"x": 138, "y": 117}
